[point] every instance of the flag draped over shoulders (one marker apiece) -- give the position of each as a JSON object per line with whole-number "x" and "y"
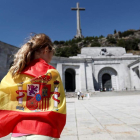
{"x": 34, "y": 102}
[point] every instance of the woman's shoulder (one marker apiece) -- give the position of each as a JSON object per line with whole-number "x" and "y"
{"x": 51, "y": 67}
{"x": 37, "y": 67}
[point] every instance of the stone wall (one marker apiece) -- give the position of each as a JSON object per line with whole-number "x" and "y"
{"x": 6, "y": 57}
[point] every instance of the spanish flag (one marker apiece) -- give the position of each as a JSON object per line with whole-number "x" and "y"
{"x": 34, "y": 102}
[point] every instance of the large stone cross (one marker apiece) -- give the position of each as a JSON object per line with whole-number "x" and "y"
{"x": 79, "y": 31}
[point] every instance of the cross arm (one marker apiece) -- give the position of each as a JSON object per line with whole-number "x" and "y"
{"x": 82, "y": 9}
{"x": 73, "y": 8}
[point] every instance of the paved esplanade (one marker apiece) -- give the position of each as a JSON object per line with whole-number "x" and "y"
{"x": 106, "y": 117}
{"x": 79, "y": 31}
{"x": 103, "y": 118}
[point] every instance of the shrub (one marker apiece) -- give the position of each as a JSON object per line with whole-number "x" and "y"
{"x": 112, "y": 40}
{"x": 95, "y": 44}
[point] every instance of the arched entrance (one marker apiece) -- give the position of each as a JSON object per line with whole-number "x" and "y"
{"x": 138, "y": 73}
{"x": 106, "y": 81}
{"x": 70, "y": 80}
{"x": 108, "y": 78}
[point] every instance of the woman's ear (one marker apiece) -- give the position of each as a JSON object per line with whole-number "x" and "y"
{"x": 45, "y": 50}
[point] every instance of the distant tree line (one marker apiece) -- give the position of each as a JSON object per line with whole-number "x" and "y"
{"x": 129, "y": 44}
{"x": 125, "y": 33}
{"x": 71, "y": 47}
{"x": 67, "y": 51}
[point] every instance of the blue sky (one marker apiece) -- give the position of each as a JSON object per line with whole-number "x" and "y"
{"x": 18, "y": 18}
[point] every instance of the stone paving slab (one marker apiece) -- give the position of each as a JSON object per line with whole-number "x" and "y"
{"x": 102, "y": 118}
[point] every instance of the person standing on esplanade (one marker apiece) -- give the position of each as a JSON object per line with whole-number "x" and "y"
{"x": 78, "y": 94}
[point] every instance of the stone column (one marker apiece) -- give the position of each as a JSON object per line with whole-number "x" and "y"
{"x": 60, "y": 70}
{"x": 89, "y": 75}
{"x": 139, "y": 68}
{"x": 82, "y": 77}
{"x": 121, "y": 77}
{"x": 131, "y": 77}
{"x": 139, "y": 74}
{"x": 77, "y": 81}
{"x": 79, "y": 34}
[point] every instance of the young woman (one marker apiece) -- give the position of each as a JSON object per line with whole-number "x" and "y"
{"x": 32, "y": 97}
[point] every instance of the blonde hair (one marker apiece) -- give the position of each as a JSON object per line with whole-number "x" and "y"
{"x": 26, "y": 53}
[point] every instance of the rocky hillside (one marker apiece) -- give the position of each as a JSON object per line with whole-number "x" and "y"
{"x": 129, "y": 39}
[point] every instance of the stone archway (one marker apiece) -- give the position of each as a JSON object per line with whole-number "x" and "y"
{"x": 110, "y": 77}
{"x": 70, "y": 80}
{"x": 138, "y": 72}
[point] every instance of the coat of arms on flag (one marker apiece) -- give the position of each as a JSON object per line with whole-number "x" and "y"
{"x": 32, "y": 96}
{"x": 38, "y": 94}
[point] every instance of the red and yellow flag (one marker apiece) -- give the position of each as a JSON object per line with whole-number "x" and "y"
{"x": 33, "y": 103}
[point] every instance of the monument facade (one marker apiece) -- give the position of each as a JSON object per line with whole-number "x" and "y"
{"x": 97, "y": 68}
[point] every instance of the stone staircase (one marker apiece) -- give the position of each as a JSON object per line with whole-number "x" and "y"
{"x": 102, "y": 94}
{"x": 71, "y": 94}
{"x": 74, "y": 94}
